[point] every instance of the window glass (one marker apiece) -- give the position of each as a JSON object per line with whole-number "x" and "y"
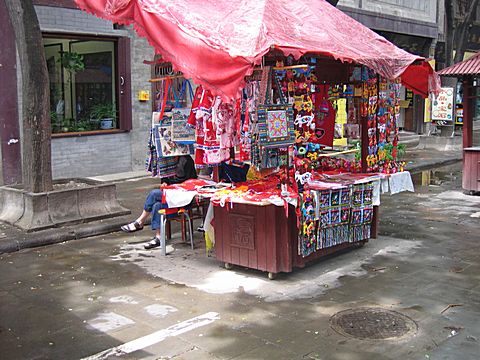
{"x": 82, "y": 84}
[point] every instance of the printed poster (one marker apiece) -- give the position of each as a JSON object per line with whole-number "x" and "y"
{"x": 163, "y": 137}
{"x": 181, "y": 131}
{"x": 443, "y": 105}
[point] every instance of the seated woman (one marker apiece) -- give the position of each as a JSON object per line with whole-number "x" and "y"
{"x": 185, "y": 170}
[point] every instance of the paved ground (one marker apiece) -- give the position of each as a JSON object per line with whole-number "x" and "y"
{"x": 80, "y": 298}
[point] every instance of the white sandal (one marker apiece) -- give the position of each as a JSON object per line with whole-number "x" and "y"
{"x": 155, "y": 242}
{"x": 132, "y": 227}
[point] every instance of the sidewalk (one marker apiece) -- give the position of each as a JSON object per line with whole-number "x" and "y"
{"x": 131, "y": 191}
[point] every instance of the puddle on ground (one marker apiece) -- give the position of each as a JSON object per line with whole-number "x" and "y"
{"x": 447, "y": 176}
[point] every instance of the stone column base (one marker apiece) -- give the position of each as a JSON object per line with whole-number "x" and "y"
{"x": 72, "y": 204}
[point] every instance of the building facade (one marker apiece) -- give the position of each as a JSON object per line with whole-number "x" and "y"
{"x": 96, "y": 70}
{"x": 410, "y": 24}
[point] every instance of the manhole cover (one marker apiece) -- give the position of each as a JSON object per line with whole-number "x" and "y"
{"x": 372, "y": 323}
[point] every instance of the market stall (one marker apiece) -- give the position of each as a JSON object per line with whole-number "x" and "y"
{"x": 314, "y": 114}
{"x": 468, "y": 71}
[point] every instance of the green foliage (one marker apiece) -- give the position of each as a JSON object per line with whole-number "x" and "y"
{"x": 62, "y": 125}
{"x": 72, "y": 62}
{"x": 53, "y": 117}
{"x": 83, "y": 125}
{"x": 103, "y": 111}
{"x": 71, "y": 125}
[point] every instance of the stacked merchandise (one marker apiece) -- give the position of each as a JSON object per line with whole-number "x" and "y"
{"x": 361, "y": 212}
{"x": 331, "y": 217}
{"x": 384, "y": 118}
{"x": 388, "y": 114}
{"x": 334, "y": 217}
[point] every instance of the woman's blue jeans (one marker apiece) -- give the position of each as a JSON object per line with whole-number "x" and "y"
{"x": 153, "y": 203}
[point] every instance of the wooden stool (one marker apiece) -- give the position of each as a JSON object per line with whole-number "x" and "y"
{"x": 182, "y": 216}
{"x": 196, "y": 210}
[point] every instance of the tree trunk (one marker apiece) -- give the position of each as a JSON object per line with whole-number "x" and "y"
{"x": 449, "y": 29}
{"x": 37, "y": 167}
{"x": 462, "y": 31}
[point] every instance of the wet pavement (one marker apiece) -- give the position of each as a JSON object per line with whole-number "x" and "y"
{"x": 106, "y": 296}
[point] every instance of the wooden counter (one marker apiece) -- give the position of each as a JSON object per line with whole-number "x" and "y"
{"x": 263, "y": 238}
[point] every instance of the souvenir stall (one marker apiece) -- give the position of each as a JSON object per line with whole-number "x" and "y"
{"x": 305, "y": 198}
{"x": 324, "y": 197}
{"x": 312, "y": 112}
{"x": 468, "y": 71}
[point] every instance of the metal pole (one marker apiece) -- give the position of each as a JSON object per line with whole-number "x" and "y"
{"x": 163, "y": 220}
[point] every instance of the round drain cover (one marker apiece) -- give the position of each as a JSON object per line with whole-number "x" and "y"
{"x": 372, "y": 323}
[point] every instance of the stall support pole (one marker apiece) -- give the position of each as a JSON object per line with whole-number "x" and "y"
{"x": 375, "y": 222}
{"x": 216, "y": 174}
{"x": 467, "y": 115}
{"x": 364, "y": 144}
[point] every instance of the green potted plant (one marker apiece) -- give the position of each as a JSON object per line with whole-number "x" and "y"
{"x": 105, "y": 114}
{"x": 65, "y": 125}
{"x": 72, "y": 62}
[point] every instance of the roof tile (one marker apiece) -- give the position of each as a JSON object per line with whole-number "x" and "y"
{"x": 466, "y": 67}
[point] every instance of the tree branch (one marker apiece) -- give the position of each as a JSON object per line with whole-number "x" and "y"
{"x": 449, "y": 31}
{"x": 462, "y": 31}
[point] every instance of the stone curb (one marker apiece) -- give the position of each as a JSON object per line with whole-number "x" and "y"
{"x": 58, "y": 235}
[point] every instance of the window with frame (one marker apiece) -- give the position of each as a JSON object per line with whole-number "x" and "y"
{"x": 88, "y": 92}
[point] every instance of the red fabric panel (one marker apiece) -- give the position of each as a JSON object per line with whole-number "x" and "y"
{"x": 217, "y": 43}
{"x": 421, "y": 79}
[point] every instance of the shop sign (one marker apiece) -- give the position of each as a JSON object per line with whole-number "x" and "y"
{"x": 442, "y": 105}
{"x": 409, "y": 96}
{"x": 428, "y": 111}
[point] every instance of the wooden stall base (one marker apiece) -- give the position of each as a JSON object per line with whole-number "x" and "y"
{"x": 256, "y": 237}
{"x": 471, "y": 169}
{"x": 263, "y": 238}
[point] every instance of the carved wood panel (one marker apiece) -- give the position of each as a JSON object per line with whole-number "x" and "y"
{"x": 242, "y": 231}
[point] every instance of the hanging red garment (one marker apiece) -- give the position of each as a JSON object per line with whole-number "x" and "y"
{"x": 192, "y": 120}
{"x": 324, "y": 117}
{"x": 206, "y": 112}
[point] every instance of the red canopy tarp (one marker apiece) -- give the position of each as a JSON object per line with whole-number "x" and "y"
{"x": 219, "y": 42}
